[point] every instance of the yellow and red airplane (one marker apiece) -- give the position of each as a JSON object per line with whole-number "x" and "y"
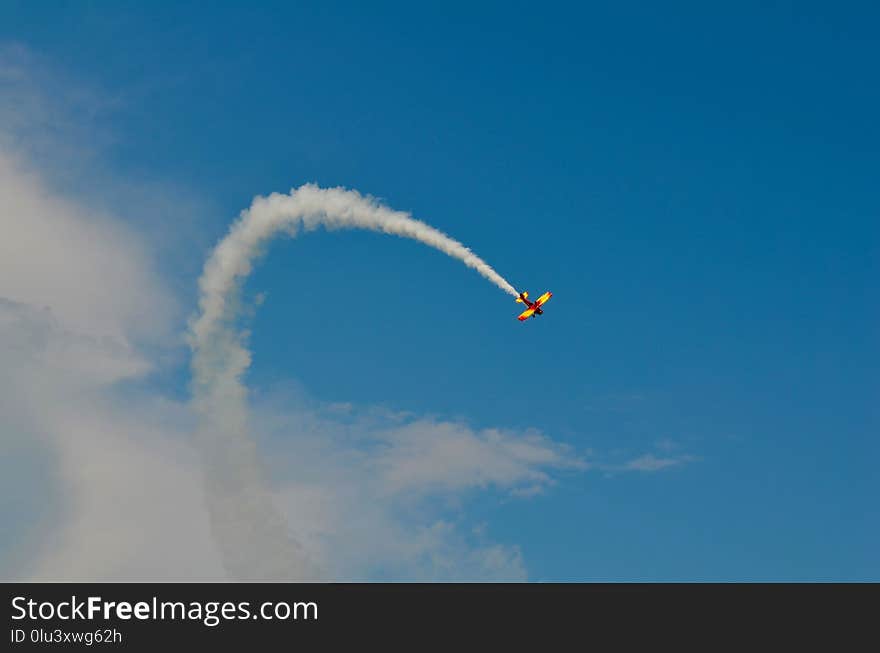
{"x": 534, "y": 308}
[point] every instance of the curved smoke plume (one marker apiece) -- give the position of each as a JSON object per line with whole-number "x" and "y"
{"x": 250, "y": 531}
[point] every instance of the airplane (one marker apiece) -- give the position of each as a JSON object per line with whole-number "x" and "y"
{"x": 534, "y": 308}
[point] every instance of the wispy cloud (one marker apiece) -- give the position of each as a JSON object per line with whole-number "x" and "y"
{"x": 115, "y": 479}
{"x": 650, "y": 463}
{"x": 367, "y": 493}
{"x": 86, "y": 317}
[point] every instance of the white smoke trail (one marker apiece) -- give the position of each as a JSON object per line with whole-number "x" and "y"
{"x": 250, "y": 532}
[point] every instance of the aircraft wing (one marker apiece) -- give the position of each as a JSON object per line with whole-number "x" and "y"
{"x": 543, "y": 299}
{"x": 526, "y": 314}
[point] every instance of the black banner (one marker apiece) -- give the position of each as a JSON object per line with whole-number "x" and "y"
{"x": 416, "y": 616}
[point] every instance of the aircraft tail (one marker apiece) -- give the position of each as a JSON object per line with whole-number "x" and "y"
{"x": 522, "y": 296}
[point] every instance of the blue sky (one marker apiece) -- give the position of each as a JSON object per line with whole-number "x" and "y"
{"x": 698, "y": 187}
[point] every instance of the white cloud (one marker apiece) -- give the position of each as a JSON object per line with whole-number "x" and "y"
{"x": 106, "y": 479}
{"x": 105, "y": 482}
{"x": 651, "y": 463}
{"x": 87, "y": 267}
{"x": 125, "y": 488}
{"x": 129, "y": 500}
{"x": 379, "y": 494}
{"x": 426, "y": 454}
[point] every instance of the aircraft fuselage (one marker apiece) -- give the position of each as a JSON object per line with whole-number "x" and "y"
{"x": 538, "y": 310}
